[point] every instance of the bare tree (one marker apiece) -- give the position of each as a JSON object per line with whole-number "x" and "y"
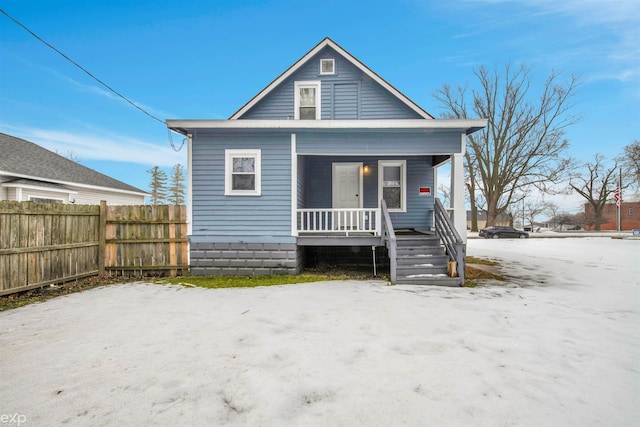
{"x": 579, "y": 219}
{"x": 574, "y": 220}
{"x": 552, "y": 209}
{"x": 158, "y": 185}
{"x": 176, "y": 185}
{"x": 534, "y": 208}
{"x": 70, "y": 155}
{"x": 630, "y": 161}
{"x": 446, "y": 194}
{"x": 523, "y": 144}
{"x": 596, "y": 183}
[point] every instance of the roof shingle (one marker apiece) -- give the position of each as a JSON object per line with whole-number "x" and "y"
{"x": 24, "y": 158}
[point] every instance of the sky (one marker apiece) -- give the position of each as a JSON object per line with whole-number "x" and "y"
{"x": 191, "y": 59}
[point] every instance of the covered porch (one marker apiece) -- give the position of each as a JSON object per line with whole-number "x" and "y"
{"x": 338, "y": 198}
{"x": 435, "y": 257}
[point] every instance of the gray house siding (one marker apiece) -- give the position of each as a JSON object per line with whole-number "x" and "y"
{"x": 419, "y": 213}
{"x": 242, "y": 235}
{"x": 346, "y": 105}
{"x": 241, "y": 217}
{"x": 348, "y": 94}
{"x": 319, "y": 180}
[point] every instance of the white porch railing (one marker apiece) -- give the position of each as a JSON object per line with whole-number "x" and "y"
{"x": 339, "y": 221}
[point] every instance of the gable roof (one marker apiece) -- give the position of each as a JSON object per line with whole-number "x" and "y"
{"x": 23, "y": 159}
{"x": 352, "y": 59}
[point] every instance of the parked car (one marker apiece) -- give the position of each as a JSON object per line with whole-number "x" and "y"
{"x": 501, "y": 232}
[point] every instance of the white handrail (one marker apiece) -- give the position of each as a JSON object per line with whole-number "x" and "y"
{"x": 389, "y": 240}
{"x": 338, "y": 220}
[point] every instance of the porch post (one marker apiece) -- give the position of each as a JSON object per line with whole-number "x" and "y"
{"x": 457, "y": 192}
{"x": 294, "y": 186}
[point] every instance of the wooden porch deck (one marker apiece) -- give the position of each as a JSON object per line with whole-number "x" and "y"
{"x": 353, "y": 238}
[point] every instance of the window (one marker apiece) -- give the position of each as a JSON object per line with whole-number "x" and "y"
{"x": 327, "y": 66}
{"x": 392, "y": 184}
{"x": 630, "y": 211}
{"x": 307, "y": 100}
{"x": 44, "y": 200}
{"x": 242, "y": 173}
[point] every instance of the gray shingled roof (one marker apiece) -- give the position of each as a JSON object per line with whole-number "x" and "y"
{"x": 24, "y": 158}
{"x": 45, "y": 184}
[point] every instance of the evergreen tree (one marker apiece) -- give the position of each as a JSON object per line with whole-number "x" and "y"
{"x": 176, "y": 186}
{"x": 158, "y": 185}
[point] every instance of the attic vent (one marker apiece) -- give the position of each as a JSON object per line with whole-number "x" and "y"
{"x": 327, "y": 66}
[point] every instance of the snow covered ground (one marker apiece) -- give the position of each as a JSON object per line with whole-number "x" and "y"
{"x": 557, "y": 345}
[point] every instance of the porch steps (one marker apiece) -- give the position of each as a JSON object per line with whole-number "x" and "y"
{"x": 421, "y": 260}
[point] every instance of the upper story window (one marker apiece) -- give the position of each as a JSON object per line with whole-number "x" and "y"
{"x": 307, "y": 100}
{"x": 327, "y": 66}
{"x": 242, "y": 173}
{"x": 392, "y": 187}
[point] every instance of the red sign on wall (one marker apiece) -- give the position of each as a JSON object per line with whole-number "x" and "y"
{"x": 424, "y": 191}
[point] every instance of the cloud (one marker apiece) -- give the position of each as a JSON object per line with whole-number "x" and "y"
{"x": 93, "y": 89}
{"x": 598, "y": 39}
{"x": 101, "y": 145}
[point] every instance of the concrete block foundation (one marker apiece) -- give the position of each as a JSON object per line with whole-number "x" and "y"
{"x": 245, "y": 259}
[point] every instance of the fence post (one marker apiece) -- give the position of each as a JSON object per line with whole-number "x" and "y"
{"x": 102, "y": 230}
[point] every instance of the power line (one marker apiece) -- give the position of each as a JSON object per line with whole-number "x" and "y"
{"x": 82, "y": 68}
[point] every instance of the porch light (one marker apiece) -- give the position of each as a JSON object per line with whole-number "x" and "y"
{"x": 365, "y": 169}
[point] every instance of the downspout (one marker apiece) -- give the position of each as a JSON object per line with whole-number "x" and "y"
{"x": 189, "y": 186}
{"x": 189, "y": 195}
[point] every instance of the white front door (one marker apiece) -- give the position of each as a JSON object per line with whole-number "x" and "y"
{"x": 347, "y": 194}
{"x": 347, "y": 185}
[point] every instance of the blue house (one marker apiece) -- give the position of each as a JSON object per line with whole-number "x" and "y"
{"x": 328, "y": 154}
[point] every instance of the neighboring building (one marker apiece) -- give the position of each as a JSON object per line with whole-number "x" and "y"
{"x": 30, "y": 172}
{"x": 306, "y": 163}
{"x": 502, "y": 220}
{"x": 629, "y": 216}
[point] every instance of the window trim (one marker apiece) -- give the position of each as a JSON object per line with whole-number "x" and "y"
{"x": 333, "y": 68}
{"x": 403, "y": 182}
{"x": 229, "y": 155}
{"x": 296, "y": 97}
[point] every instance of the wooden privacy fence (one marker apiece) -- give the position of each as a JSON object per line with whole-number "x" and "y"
{"x": 42, "y": 243}
{"x": 146, "y": 240}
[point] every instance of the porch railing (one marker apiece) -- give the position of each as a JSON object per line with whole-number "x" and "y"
{"x": 339, "y": 221}
{"x": 388, "y": 236}
{"x": 450, "y": 237}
